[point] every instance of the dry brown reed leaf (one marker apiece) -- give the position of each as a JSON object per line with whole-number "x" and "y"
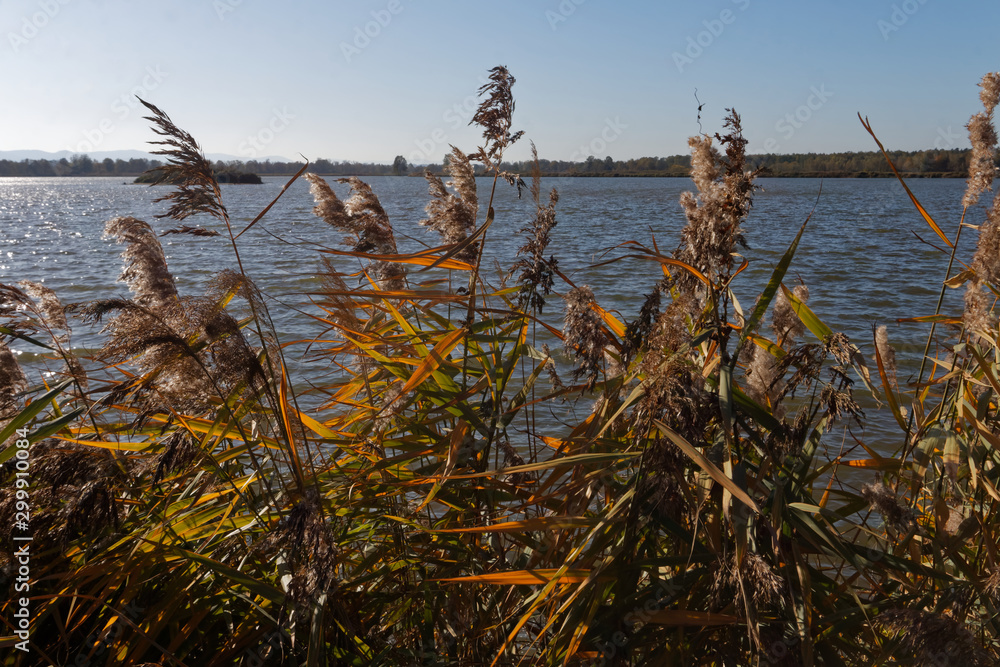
{"x": 198, "y": 190}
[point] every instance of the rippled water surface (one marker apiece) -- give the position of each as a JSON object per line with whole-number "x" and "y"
{"x": 860, "y": 256}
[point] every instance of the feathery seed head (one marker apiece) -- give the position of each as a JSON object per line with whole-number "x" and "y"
{"x": 12, "y": 382}
{"x": 494, "y": 116}
{"x": 714, "y": 215}
{"x": 886, "y": 351}
{"x": 53, "y": 316}
{"x": 49, "y": 307}
{"x": 764, "y": 383}
{"x": 145, "y": 271}
{"x": 785, "y": 322}
{"x": 990, "y": 93}
{"x": 583, "y": 334}
{"x": 986, "y": 266}
{"x": 328, "y": 207}
{"x": 882, "y": 499}
{"x": 365, "y": 221}
{"x": 454, "y": 215}
{"x": 932, "y": 638}
{"x": 983, "y": 137}
{"x": 537, "y": 274}
{"x": 198, "y": 190}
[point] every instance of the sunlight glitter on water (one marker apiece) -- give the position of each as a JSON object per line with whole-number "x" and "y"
{"x": 860, "y": 258}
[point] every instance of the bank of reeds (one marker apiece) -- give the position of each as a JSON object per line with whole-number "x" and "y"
{"x": 185, "y": 511}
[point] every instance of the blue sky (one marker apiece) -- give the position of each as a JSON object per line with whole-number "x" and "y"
{"x": 368, "y": 80}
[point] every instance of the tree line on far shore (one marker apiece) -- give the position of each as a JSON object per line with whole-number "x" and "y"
{"x": 928, "y": 163}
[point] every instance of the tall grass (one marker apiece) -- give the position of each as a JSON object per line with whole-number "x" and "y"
{"x": 187, "y": 511}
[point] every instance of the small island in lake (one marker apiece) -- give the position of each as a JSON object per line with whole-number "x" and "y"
{"x": 153, "y": 177}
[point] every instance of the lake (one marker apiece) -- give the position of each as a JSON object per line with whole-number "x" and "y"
{"x": 859, "y": 256}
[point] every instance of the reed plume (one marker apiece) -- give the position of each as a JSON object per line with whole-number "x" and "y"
{"x": 453, "y": 216}
{"x": 494, "y": 115}
{"x": 882, "y": 499}
{"x": 583, "y": 334}
{"x": 53, "y": 316}
{"x": 785, "y": 322}
{"x": 715, "y": 214}
{"x": 197, "y": 188}
{"x": 537, "y": 274}
{"x": 764, "y": 380}
{"x": 12, "y": 383}
{"x": 982, "y": 170}
{"x": 887, "y": 353}
{"x": 986, "y": 269}
{"x": 932, "y": 638}
{"x": 49, "y": 318}
{"x": 983, "y": 137}
{"x": 186, "y": 348}
{"x": 365, "y": 223}
{"x": 145, "y": 266}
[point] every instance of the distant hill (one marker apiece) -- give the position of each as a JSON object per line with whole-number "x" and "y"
{"x": 17, "y": 156}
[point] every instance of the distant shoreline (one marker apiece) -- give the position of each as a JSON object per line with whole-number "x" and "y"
{"x": 862, "y": 174}
{"x": 949, "y": 163}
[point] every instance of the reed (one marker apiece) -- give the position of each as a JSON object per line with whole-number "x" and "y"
{"x": 188, "y": 511}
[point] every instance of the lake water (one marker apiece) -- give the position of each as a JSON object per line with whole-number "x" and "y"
{"x": 859, "y": 257}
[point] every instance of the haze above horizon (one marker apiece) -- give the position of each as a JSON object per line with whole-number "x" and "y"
{"x": 367, "y": 80}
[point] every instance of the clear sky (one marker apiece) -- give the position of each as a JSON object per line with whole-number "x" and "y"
{"x": 369, "y": 80}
